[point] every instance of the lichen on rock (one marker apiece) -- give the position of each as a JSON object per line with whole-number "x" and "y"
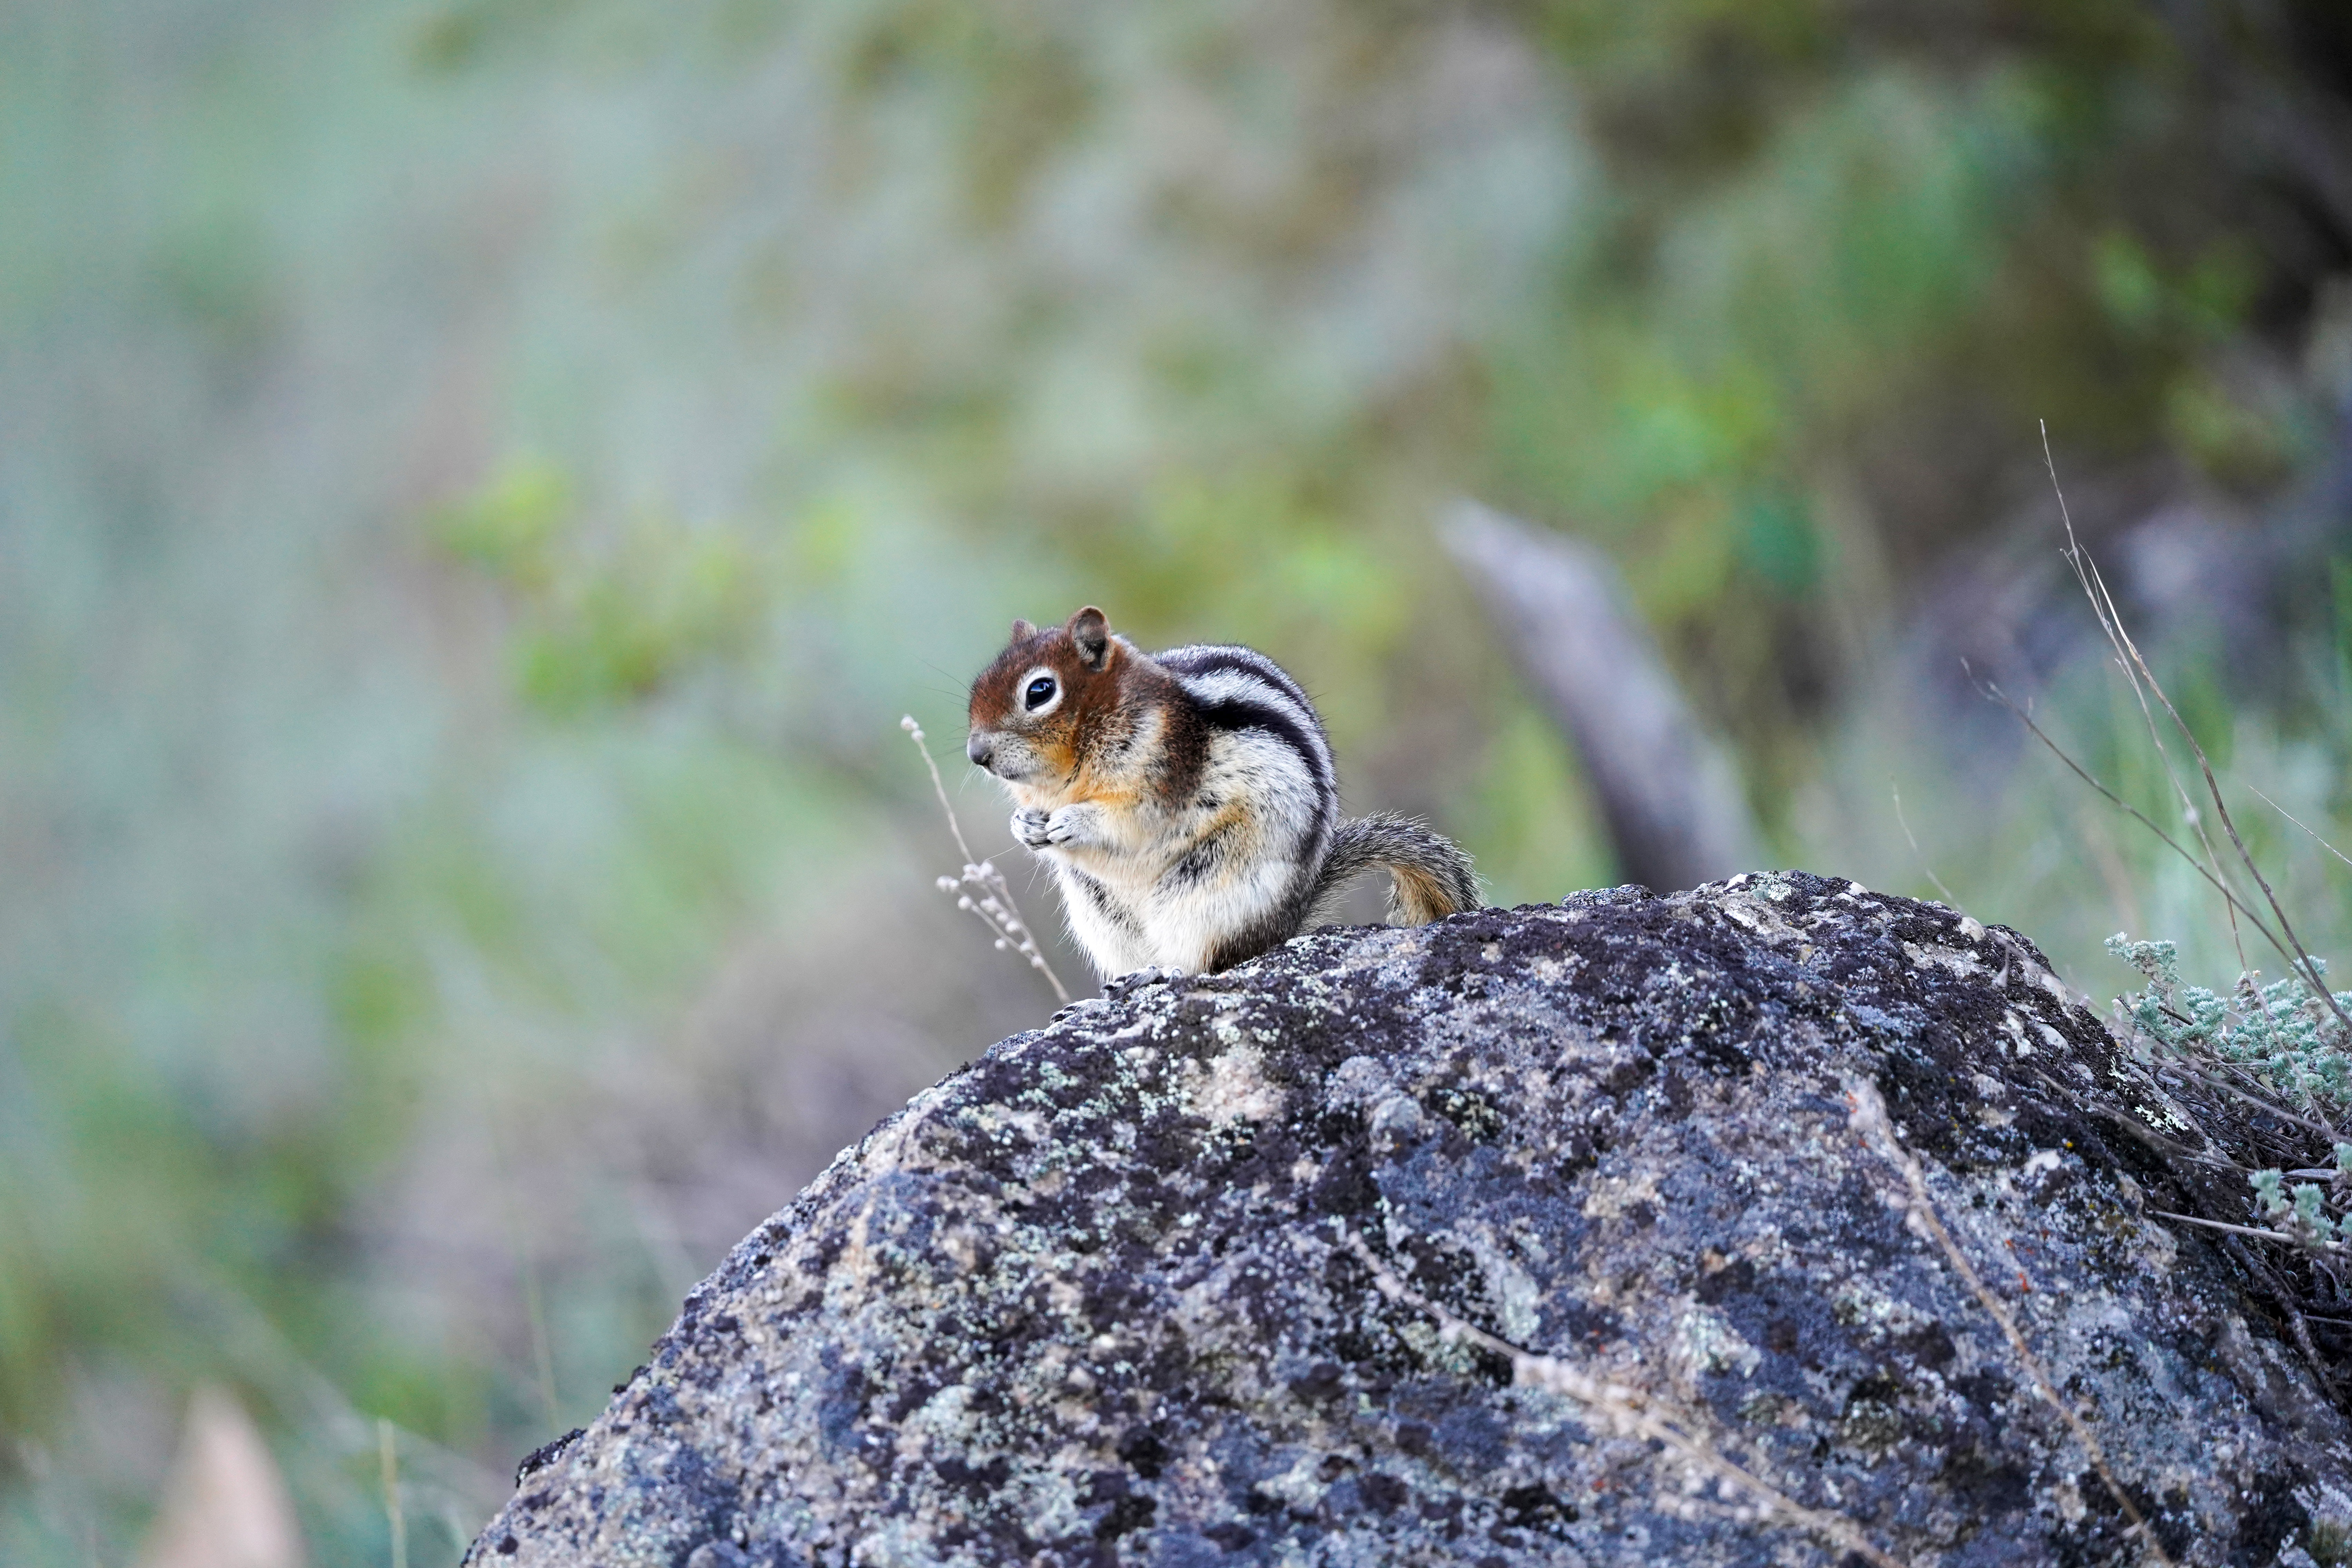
{"x": 1103, "y": 1296}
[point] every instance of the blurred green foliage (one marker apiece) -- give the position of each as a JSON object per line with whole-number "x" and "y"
{"x": 485, "y": 478}
{"x": 598, "y": 627}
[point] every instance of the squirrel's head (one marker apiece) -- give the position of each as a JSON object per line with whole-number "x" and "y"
{"x": 1029, "y": 707}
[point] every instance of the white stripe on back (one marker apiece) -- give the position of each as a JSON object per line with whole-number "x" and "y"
{"x": 1240, "y": 675}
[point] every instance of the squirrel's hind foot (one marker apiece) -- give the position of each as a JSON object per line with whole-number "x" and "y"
{"x": 1137, "y": 979}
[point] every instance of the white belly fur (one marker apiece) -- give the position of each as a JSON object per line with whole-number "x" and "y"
{"x": 1181, "y": 925}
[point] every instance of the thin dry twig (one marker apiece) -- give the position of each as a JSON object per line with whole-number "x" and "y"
{"x": 2283, "y": 1298}
{"x": 1627, "y": 1412}
{"x": 1916, "y": 854}
{"x": 2269, "y": 1106}
{"x": 2300, "y": 956}
{"x": 1995, "y": 694}
{"x": 2170, "y": 1147}
{"x": 1869, "y": 1119}
{"x": 2288, "y": 946}
{"x": 2291, "y": 816}
{"x": 981, "y": 890}
{"x": 2222, "y": 1225}
{"x": 2144, "y": 683}
{"x": 2102, "y": 604}
{"x": 2203, "y": 1073}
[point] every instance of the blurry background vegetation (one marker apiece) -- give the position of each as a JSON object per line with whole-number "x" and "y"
{"x": 479, "y": 482}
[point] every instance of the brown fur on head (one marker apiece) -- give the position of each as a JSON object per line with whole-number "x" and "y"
{"x": 1031, "y": 737}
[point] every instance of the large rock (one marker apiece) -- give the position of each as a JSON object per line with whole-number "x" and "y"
{"x": 1108, "y": 1294}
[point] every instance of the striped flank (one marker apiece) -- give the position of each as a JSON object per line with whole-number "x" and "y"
{"x": 1241, "y": 688}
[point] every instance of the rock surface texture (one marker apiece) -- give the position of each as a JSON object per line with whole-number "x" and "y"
{"x": 1108, "y": 1294}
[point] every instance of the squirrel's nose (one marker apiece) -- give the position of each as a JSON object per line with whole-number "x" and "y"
{"x": 980, "y": 748}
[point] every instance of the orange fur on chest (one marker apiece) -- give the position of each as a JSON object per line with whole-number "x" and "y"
{"x": 1059, "y": 755}
{"x": 1101, "y": 765}
{"x": 1095, "y": 787}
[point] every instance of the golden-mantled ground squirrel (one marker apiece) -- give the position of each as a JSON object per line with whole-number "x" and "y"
{"x": 1186, "y": 799}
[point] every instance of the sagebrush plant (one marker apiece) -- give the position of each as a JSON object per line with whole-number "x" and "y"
{"x": 2282, "y": 1032}
{"x": 2276, "y": 1041}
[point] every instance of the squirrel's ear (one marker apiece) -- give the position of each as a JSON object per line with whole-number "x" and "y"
{"x": 1023, "y": 631}
{"x": 1090, "y": 634}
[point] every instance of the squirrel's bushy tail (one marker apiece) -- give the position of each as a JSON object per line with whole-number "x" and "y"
{"x": 1430, "y": 877}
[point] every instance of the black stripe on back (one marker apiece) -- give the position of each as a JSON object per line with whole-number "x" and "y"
{"x": 1208, "y": 658}
{"x": 1232, "y": 714}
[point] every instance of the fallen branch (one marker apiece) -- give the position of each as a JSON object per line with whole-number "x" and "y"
{"x": 1670, "y": 795}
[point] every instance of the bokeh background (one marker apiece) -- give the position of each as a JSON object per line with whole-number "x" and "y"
{"x": 481, "y": 480}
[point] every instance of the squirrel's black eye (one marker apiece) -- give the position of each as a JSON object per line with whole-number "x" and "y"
{"x": 1041, "y": 692}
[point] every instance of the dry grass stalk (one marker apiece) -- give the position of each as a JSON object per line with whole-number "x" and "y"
{"x": 2223, "y": 1225}
{"x": 2144, "y": 683}
{"x": 1626, "y": 1412}
{"x": 1870, "y": 1118}
{"x": 1916, "y": 854}
{"x": 981, "y": 890}
{"x": 2291, "y": 816}
{"x": 2238, "y": 906}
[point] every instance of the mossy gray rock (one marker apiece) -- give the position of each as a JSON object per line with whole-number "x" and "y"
{"x": 1099, "y": 1297}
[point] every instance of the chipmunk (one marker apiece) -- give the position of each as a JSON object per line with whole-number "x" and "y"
{"x": 1185, "y": 799}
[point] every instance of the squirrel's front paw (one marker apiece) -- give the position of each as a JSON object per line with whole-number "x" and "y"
{"x": 1029, "y": 828}
{"x": 1074, "y": 824}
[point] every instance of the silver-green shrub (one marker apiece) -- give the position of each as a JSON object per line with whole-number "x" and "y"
{"x": 2285, "y": 1037}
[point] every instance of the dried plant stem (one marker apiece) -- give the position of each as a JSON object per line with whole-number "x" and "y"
{"x": 1870, "y": 1118}
{"x": 2095, "y": 588}
{"x": 981, "y": 890}
{"x": 2137, "y": 671}
{"x": 1916, "y": 854}
{"x": 2212, "y": 1080}
{"x": 2133, "y": 1127}
{"x": 939, "y": 785}
{"x": 2203, "y": 1072}
{"x": 2291, "y": 816}
{"x": 2238, "y": 906}
{"x": 1627, "y": 1412}
{"x": 2260, "y": 1269}
{"x": 2222, "y": 1225}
